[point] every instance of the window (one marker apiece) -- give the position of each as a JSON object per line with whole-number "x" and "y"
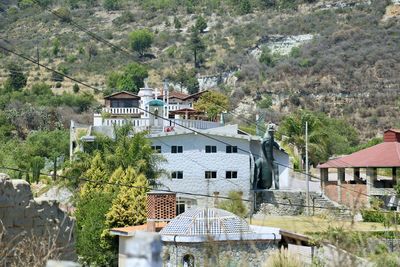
{"x": 176, "y": 149}
{"x": 210, "y": 174}
{"x": 180, "y": 208}
{"x": 211, "y": 149}
{"x": 231, "y": 174}
{"x": 231, "y": 149}
{"x": 188, "y": 260}
{"x": 177, "y": 175}
{"x": 157, "y": 149}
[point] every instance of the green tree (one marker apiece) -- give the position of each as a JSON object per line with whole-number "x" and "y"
{"x": 131, "y": 78}
{"x": 234, "y": 204}
{"x": 48, "y": 144}
{"x": 129, "y": 207}
{"x": 141, "y": 40}
{"x": 196, "y": 45}
{"x": 291, "y": 132}
{"x": 212, "y": 103}
{"x": 177, "y": 24}
{"x": 187, "y": 79}
{"x": 56, "y": 47}
{"x": 16, "y": 79}
{"x": 91, "y": 244}
{"x": 75, "y": 88}
{"x": 201, "y": 24}
{"x": 111, "y": 4}
{"x": 265, "y": 102}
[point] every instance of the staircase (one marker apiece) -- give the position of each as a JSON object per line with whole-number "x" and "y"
{"x": 329, "y": 207}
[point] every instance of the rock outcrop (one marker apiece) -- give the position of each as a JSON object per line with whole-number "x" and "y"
{"x": 21, "y": 216}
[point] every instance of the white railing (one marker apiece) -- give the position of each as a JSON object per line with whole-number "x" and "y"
{"x": 122, "y": 111}
{"x": 173, "y": 107}
{"x": 198, "y": 124}
{"x": 139, "y": 122}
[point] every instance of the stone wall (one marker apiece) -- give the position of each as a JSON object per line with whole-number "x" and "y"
{"x": 292, "y": 203}
{"x": 22, "y": 215}
{"x": 234, "y": 253}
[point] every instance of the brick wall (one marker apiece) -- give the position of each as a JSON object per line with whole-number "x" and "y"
{"x": 353, "y": 195}
{"x": 161, "y": 206}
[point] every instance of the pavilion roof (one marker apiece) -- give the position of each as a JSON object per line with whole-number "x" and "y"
{"x": 384, "y": 155}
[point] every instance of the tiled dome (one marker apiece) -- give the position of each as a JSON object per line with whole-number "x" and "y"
{"x": 206, "y": 221}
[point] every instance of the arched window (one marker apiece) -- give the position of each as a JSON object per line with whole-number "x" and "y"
{"x": 188, "y": 260}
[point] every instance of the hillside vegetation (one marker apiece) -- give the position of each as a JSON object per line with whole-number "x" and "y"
{"x": 347, "y": 69}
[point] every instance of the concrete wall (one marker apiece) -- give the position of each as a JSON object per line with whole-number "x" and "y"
{"x": 194, "y": 162}
{"x": 239, "y": 253}
{"x": 21, "y": 214}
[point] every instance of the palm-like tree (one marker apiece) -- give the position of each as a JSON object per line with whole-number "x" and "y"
{"x": 292, "y": 134}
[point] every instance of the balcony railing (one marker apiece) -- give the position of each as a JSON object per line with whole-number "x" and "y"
{"x": 198, "y": 124}
{"x": 122, "y": 111}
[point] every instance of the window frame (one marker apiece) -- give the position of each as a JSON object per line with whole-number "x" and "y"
{"x": 210, "y": 149}
{"x": 231, "y": 149}
{"x": 176, "y": 149}
{"x": 210, "y": 174}
{"x": 232, "y": 174}
{"x": 177, "y": 174}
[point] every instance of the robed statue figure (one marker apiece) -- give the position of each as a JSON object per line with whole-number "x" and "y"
{"x": 266, "y": 171}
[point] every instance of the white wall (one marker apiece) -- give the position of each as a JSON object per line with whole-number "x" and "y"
{"x": 194, "y": 162}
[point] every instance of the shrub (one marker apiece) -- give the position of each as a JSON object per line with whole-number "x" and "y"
{"x": 64, "y": 14}
{"x": 234, "y": 204}
{"x": 111, "y": 4}
{"x": 75, "y": 88}
{"x": 58, "y": 85}
{"x": 283, "y": 258}
{"x": 41, "y": 89}
{"x": 126, "y": 17}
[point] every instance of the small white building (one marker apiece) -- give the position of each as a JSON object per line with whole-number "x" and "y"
{"x": 211, "y": 162}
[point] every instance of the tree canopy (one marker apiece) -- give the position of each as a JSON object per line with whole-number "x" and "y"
{"x": 141, "y": 40}
{"x": 130, "y": 78}
{"x": 327, "y": 136}
{"x": 212, "y": 103}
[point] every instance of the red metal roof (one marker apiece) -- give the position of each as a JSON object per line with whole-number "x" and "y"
{"x": 386, "y": 154}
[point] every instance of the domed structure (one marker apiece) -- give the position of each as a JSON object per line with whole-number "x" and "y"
{"x": 206, "y": 221}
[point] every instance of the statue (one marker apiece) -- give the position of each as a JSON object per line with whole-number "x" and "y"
{"x": 266, "y": 171}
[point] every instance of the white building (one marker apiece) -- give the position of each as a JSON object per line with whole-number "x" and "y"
{"x": 211, "y": 162}
{"x": 148, "y": 110}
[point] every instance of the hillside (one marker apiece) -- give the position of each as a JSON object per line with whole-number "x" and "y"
{"x": 340, "y": 58}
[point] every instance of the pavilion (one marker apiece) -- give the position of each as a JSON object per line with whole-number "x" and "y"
{"x": 373, "y": 174}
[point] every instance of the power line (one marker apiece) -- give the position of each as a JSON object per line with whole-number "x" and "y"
{"x": 158, "y": 116}
{"x": 161, "y": 190}
{"x": 50, "y": 69}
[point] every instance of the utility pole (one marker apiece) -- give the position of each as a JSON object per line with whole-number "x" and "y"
{"x": 37, "y": 56}
{"x": 307, "y": 176}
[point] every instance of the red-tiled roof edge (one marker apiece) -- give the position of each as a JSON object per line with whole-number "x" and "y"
{"x": 392, "y": 130}
{"x": 384, "y": 155}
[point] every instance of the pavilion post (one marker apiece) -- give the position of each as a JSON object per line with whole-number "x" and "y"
{"x": 340, "y": 179}
{"x": 371, "y": 177}
{"x": 324, "y": 178}
{"x": 356, "y": 175}
{"x": 394, "y": 176}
